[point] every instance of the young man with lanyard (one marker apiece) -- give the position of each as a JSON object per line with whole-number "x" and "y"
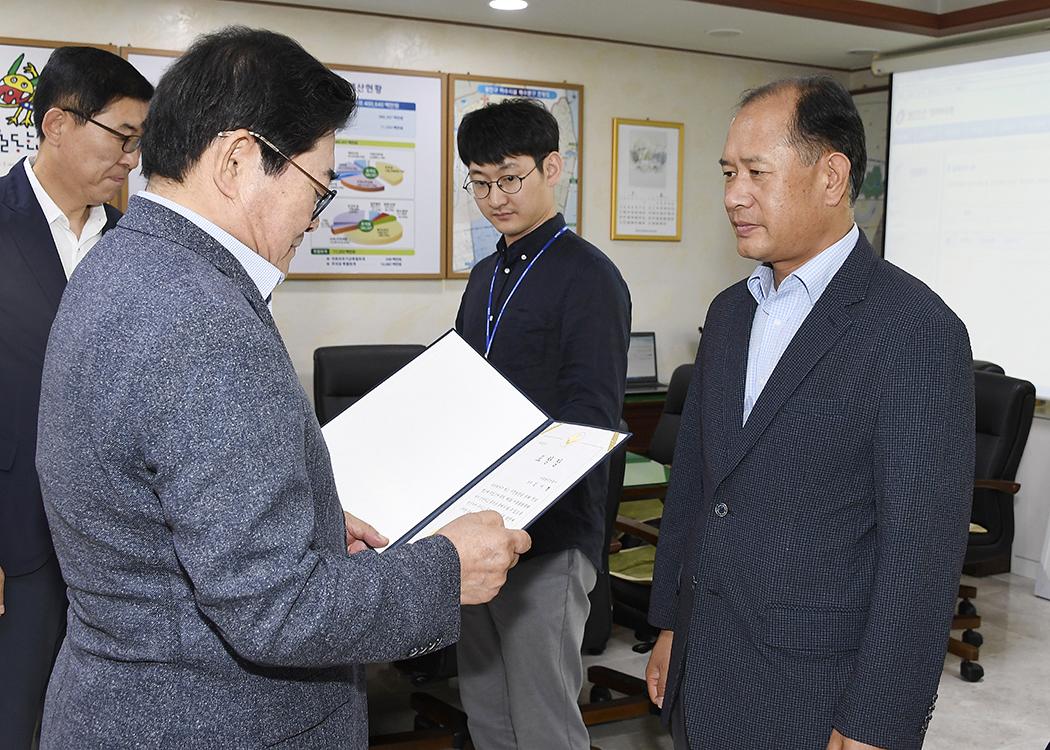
{"x": 553, "y": 314}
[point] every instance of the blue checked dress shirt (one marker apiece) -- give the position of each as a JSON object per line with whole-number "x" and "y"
{"x": 781, "y": 311}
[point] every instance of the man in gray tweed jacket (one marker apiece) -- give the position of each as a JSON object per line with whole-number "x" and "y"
{"x": 213, "y": 602}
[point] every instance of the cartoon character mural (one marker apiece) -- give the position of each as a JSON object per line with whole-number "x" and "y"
{"x": 16, "y": 91}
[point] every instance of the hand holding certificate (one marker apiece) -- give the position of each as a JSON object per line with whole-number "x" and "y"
{"x": 448, "y": 435}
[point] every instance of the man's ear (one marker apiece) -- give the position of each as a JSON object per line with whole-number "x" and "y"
{"x": 552, "y": 167}
{"x": 232, "y": 164}
{"x": 55, "y": 121}
{"x": 837, "y": 167}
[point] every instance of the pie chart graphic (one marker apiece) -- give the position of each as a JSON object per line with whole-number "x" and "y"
{"x": 368, "y": 227}
{"x": 370, "y": 178}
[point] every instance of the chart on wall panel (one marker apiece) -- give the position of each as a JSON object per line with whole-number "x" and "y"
{"x": 386, "y": 217}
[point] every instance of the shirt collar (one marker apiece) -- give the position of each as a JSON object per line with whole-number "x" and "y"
{"x": 265, "y": 275}
{"x": 53, "y": 213}
{"x": 814, "y": 275}
{"x": 530, "y": 244}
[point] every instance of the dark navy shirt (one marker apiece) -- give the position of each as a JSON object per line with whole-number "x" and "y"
{"x": 563, "y": 341}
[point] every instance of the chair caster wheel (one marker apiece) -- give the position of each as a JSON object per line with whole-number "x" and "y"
{"x": 422, "y": 722}
{"x": 600, "y": 693}
{"x": 971, "y": 671}
{"x": 972, "y": 637}
{"x": 643, "y": 647}
{"x": 966, "y": 608}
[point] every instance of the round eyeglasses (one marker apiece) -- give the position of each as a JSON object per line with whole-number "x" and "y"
{"x": 508, "y": 183}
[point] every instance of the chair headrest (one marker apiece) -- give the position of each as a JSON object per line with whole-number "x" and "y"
{"x": 1004, "y": 408}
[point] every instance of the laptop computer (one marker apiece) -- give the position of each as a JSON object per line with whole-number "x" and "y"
{"x": 641, "y": 364}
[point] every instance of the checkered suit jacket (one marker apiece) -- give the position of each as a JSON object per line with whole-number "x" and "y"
{"x": 809, "y": 559}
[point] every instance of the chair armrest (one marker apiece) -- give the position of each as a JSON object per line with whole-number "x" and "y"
{"x": 1011, "y": 488}
{"x": 643, "y": 531}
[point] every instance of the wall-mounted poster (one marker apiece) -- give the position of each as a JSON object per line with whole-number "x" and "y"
{"x": 22, "y": 59}
{"x": 151, "y": 63}
{"x": 387, "y": 218}
{"x": 472, "y": 236}
{"x": 870, "y": 209}
{"x": 647, "y": 180}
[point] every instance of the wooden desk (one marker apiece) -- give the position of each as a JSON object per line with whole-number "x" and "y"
{"x": 641, "y": 412}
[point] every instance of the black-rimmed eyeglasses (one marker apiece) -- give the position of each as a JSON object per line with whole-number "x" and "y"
{"x": 326, "y": 193}
{"x": 130, "y": 143}
{"x": 508, "y": 183}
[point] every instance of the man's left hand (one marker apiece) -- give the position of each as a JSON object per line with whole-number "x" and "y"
{"x": 838, "y": 742}
{"x": 361, "y": 536}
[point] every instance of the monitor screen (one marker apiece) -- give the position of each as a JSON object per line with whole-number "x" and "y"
{"x": 641, "y": 357}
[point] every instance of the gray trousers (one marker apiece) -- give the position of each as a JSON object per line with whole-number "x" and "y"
{"x": 520, "y": 670}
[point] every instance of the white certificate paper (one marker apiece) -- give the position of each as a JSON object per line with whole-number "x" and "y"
{"x": 536, "y": 475}
{"x": 449, "y": 430}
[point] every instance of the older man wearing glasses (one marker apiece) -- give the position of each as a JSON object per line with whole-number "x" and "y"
{"x": 88, "y": 108}
{"x": 219, "y": 596}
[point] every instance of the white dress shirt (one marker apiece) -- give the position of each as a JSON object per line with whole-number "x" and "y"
{"x": 71, "y": 249}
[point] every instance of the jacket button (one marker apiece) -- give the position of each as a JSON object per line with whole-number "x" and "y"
{"x": 721, "y": 510}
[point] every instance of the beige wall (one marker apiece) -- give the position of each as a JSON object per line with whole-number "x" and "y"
{"x": 671, "y": 283}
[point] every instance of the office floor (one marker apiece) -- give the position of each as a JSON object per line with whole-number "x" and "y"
{"x": 1008, "y": 710}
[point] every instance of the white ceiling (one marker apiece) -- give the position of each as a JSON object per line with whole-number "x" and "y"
{"x": 679, "y": 24}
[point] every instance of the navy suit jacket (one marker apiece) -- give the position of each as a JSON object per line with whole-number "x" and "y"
{"x": 809, "y": 559}
{"x": 31, "y": 285}
{"x": 190, "y": 494}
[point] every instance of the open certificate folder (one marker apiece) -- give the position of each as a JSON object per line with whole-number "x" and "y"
{"x": 446, "y": 435}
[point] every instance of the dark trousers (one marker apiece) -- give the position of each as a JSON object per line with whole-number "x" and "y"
{"x": 681, "y": 742}
{"x": 31, "y": 631}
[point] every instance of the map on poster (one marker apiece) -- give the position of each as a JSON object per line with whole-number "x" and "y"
{"x": 386, "y": 218}
{"x": 473, "y": 237}
{"x": 23, "y": 64}
{"x": 870, "y": 209}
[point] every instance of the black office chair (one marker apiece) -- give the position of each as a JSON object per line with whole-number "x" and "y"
{"x": 1004, "y": 408}
{"x": 631, "y": 598}
{"x": 985, "y": 365}
{"x": 635, "y": 702}
{"x": 661, "y": 446}
{"x": 600, "y": 621}
{"x": 343, "y": 374}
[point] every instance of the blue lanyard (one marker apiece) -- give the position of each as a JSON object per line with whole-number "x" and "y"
{"x": 490, "y": 329}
